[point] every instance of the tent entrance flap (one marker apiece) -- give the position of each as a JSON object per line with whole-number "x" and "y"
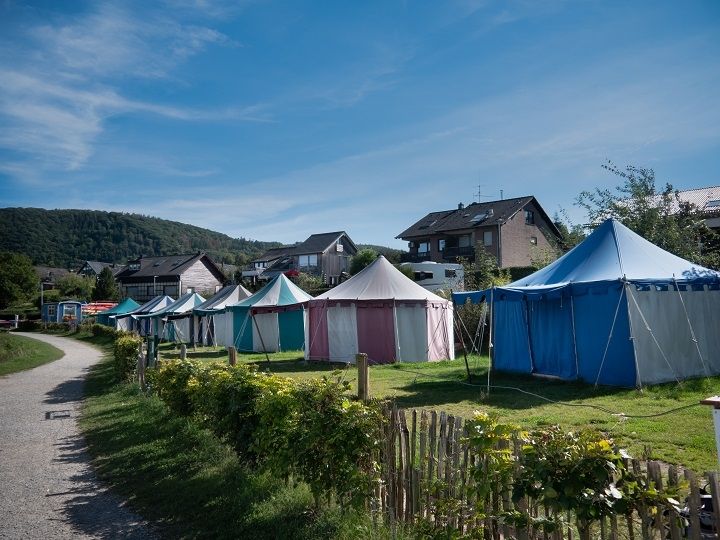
{"x": 551, "y": 337}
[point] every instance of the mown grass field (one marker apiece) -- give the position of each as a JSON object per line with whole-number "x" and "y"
{"x": 684, "y": 437}
{"x": 18, "y": 353}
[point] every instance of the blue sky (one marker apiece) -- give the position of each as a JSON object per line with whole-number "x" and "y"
{"x": 275, "y": 120}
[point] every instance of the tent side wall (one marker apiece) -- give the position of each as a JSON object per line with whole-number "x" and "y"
{"x": 666, "y": 323}
{"x": 242, "y": 329}
{"x": 595, "y": 309}
{"x": 292, "y": 330}
{"x": 511, "y": 347}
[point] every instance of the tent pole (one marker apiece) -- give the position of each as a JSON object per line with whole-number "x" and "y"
{"x": 491, "y": 346}
{"x": 462, "y": 342}
{"x": 262, "y": 342}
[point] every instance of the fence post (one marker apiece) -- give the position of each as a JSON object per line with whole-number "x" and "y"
{"x": 232, "y": 356}
{"x": 183, "y": 351}
{"x": 361, "y": 360}
{"x": 150, "y": 353}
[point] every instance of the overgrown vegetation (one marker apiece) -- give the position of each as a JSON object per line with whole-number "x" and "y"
{"x": 179, "y": 475}
{"x": 64, "y": 238}
{"x": 658, "y": 215}
{"x": 18, "y": 353}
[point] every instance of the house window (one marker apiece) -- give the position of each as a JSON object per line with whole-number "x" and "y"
{"x": 52, "y": 311}
{"x": 464, "y": 241}
{"x": 150, "y": 290}
{"x": 529, "y": 217}
{"x": 423, "y": 247}
{"x": 170, "y": 290}
{"x": 133, "y": 292}
{"x": 533, "y": 240}
{"x": 69, "y": 311}
{"x": 307, "y": 261}
{"x": 441, "y": 244}
{"x": 487, "y": 238}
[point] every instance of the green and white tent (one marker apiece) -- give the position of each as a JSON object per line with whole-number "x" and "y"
{"x": 162, "y": 323}
{"x": 272, "y": 319}
{"x": 214, "y": 323}
{"x": 108, "y": 317}
{"x": 132, "y": 320}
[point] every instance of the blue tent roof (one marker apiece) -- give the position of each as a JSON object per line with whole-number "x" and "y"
{"x": 615, "y": 252}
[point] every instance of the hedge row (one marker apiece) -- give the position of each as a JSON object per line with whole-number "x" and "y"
{"x": 309, "y": 430}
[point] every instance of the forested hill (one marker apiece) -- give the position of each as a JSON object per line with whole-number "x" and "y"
{"x": 65, "y": 238}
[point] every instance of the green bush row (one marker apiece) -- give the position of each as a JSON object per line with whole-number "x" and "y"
{"x": 309, "y": 430}
{"x": 125, "y": 354}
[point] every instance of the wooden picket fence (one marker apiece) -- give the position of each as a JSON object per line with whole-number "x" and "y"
{"x": 427, "y": 476}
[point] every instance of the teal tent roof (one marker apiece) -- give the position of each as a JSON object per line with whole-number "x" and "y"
{"x": 159, "y": 302}
{"x": 126, "y": 306}
{"x": 279, "y": 292}
{"x": 224, "y": 297}
{"x": 186, "y": 302}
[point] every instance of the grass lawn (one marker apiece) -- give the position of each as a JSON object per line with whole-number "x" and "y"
{"x": 684, "y": 437}
{"x": 18, "y": 353}
{"x": 177, "y": 474}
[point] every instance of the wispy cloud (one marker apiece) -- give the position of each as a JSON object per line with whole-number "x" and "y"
{"x": 54, "y": 105}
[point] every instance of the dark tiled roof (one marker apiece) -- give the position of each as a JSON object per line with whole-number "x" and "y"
{"x": 166, "y": 266}
{"x": 473, "y": 215}
{"x": 275, "y": 253}
{"x": 317, "y": 243}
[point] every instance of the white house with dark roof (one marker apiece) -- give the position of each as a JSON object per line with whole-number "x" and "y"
{"x": 326, "y": 255}
{"x": 509, "y": 229}
{"x": 171, "y": 275}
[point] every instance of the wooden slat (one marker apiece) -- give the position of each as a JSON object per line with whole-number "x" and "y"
{"x": 642, "y": 508}
{"x": 673, "y": 517}
{"x": 441, "y": 448}
{"x": 694, "y": 505}
{"x": 463, "y": 481}
{"x": 431, "y": 461}
{"x": 414, "y": 469}
{"x": 656, "y": 476}
{"x": 421, "y": 461}
{"x": 715, "y": 492}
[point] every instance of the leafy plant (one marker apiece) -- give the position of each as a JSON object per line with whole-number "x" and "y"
{"x": 125, "y": 353}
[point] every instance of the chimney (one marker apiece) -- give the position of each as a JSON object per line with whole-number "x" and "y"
{"x": 461, "y": 206}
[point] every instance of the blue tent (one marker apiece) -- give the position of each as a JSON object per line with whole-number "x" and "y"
{"x": 272, "y": 319}
{"x": 163, "y": 320}
{"x": 615, "y": 310}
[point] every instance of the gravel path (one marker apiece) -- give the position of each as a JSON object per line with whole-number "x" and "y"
{"x": 47, "y": 486}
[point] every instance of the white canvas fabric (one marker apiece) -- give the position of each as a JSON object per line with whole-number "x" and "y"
{"x": 440, "y": 332}
{"x": 380, "y": 281}
{"x": 266, "y": 332}
{"x": 122, "y": 324}
{"x": 223, "y": 329}
{"x": 182, "y": 329}
{"x": 411, "y": 340}
{"x": 342, "y": 327}
{"x": 664, "y": 336}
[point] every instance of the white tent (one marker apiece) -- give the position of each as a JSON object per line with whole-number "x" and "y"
{"x": 382, "y": 313}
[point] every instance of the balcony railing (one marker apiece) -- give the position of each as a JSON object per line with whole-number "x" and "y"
{"x": 452, "y": 253}
{"x": 415, "y": 257}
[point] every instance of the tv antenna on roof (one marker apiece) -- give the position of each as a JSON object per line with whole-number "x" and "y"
{"x": 480, "y": 196}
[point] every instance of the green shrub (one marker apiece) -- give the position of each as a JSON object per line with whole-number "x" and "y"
{"x": 335, "y": 442}
{"x": 170, "y": 380}
{"x": 105, "y": 331}
{"x": 126, "y": 350}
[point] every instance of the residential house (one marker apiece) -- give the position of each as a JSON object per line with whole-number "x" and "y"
{"x": 173, "y": 275}
{"x": 326, "y": 255}
{"x": 93, "y": 268}
{"x": 707, "y": 201}
{"x": 512, "y": 230}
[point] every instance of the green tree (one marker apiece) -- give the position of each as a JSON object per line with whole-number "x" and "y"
{"x": 18, "y": 280}
{"x": 407, "y": 270}
{"x": 657, "y": 215}
{"x": 362, "y": 259}
{"x": 74, "y": 286}
{"x": 106, "y": 288}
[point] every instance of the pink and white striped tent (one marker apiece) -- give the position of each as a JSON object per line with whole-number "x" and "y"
{"x": 382, "y": 313}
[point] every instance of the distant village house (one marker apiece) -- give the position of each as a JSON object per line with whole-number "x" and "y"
{"x": 512, "y": 230}
{"x": 173, "y": 275}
